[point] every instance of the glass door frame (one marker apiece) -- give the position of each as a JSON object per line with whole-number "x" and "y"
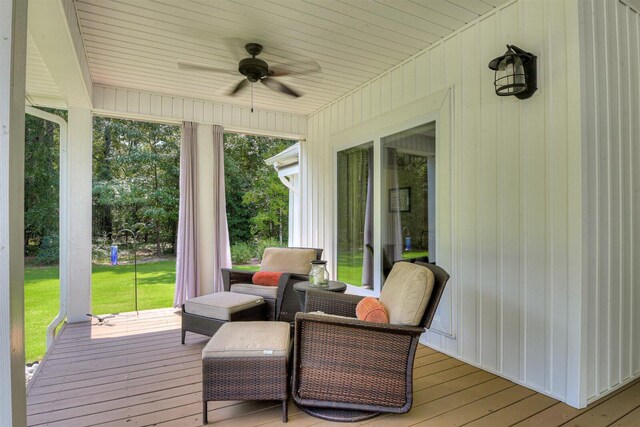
{"x": 349, "y": 140}
{"x": 441, "y": 107}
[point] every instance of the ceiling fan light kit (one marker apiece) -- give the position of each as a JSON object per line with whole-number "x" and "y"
{"x": 256, "y": 70}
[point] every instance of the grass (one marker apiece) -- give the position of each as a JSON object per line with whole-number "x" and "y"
{"x": 112, "y": 291}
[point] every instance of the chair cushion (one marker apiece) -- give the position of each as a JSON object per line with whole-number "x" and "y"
{"x": 290, "y": 260}
{"x": 266, "y": 278}
{"x": 249, "y": 339}
{"x": 406, "y": 292}
{"x": 251, "y": 289}
{"x": 370, "y": 309}
{"x": 221, "y": 305}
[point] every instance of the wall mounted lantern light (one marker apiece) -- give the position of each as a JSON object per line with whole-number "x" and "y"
{"x": 515, "y": 73}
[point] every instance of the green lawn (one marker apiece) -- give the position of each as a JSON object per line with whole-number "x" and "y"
{"x": 112, "y": 292}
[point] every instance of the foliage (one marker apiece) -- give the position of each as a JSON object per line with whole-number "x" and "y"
{"x": 257, "y": 202}
{"x": 267, "y": 243}
{"x": 41, "y": 189}
{"x": 111, "y": 292}
{"x": 49, "y": 251}
{"x": 242, "y": 252}
{"x": 136, "y": 171}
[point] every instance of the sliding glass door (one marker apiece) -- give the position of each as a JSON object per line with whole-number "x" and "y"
{"x": 402, "y": 189}
{"x": 408, "y": 195}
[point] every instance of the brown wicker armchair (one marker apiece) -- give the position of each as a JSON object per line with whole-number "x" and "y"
{"x": 282, "y": 303}
{"x": 346, "y": 369}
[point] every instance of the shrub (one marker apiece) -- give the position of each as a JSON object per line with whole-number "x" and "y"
{"x": 49, "y": 250}
{"x": 267, "y": 243}
{"x": 241, "y": 253}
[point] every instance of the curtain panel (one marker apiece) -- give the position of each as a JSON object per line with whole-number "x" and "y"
{"x": 203, "y": 237}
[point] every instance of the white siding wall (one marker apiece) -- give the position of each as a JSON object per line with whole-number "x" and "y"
{"x": 140, "y": 105}
{"x": 611, "y": 36}
{"x": 516, "y": 220}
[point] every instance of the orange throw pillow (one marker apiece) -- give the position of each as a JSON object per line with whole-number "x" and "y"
{"x": 370, "y": 309}
{"x": 266, "y": 278}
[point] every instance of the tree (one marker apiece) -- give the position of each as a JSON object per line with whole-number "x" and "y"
{"x": 136, "y": 178}
{"x": 257, "y": 202}
{"x": 42, "y": 171}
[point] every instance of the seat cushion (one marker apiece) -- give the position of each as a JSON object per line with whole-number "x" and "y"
{"x": 221, "y": 305}
{"x": 249, "y": 339}
{"x": 290, "y": 260}
{"x": 406, "y": 292}
{"x": 251, "y": 289}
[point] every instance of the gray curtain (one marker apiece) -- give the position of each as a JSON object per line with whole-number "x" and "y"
{"x": 392, "y": 228}
{"x": 187, "y": 277}
{"x": 367, "y": 259}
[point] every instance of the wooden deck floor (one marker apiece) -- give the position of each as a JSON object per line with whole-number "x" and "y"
{"x": 136, "y": 373}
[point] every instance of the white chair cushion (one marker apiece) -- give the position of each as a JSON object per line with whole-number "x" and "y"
{"x": 249, "y": 339}
{"x": 406, "y": 292}
{"x": 288, "y": 260}
{"x": 221, "y": 305}
{"x": 251, "y": 289}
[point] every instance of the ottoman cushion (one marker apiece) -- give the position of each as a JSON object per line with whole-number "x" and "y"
{"x": 251, "y": 289}
{"x": 249, "y": 339}
{"x": 221, "y": 305}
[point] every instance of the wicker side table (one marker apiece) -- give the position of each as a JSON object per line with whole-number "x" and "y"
{"x": 301, "y": 289}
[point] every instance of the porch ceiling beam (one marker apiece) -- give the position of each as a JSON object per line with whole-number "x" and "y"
{"x": 141, "y": 105}
{"x": 54, "y": 27}
{"x": 13, "y": 48}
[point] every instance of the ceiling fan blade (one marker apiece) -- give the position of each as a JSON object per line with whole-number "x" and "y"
{"x": 279, "y": 87}
{"x": 192, "y": 66}
{"x": 241, "y": 85}
{"x": 235, "y": 47}
{"x": 293, "y": 68}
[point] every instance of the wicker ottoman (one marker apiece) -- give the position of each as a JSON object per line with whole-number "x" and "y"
{"x": 205, "y": 314}
{"x": 247, "y": 361}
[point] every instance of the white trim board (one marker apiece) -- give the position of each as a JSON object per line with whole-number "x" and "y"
{"x": 138, "y": 105}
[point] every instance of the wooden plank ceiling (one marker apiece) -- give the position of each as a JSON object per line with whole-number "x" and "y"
{"x": 138, "y": 43}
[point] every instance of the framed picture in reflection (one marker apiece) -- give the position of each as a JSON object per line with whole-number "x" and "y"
{"x": 400, "y": 199}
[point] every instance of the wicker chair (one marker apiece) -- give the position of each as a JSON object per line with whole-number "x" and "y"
{"x": 283, "y": 304}
{"x": 345, "y": 369}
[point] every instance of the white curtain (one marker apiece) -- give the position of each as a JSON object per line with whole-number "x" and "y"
{"x": 203, "y": 237}
{"x": 222, "y": 249}
{"x": 187, "y": 277}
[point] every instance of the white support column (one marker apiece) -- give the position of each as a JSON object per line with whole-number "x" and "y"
{"x": 13, "y": 47}
{"x": 75, "y": 213}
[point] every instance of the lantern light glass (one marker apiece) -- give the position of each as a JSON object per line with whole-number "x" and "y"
{"x": 514, "y": 73}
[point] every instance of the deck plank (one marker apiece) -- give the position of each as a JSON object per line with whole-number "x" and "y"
{"x": 136, "y": 373}
{"x": 632, "y": 419}
{"x": 514, "y": 413}
{"x": 609, "y": 411}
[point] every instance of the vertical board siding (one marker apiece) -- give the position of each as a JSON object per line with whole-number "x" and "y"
{"x": 509, "y": 230}
{"x": 148, "y": 106}
{"x": 612, "y": 62}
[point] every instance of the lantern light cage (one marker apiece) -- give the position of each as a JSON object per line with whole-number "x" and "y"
{"x": 515, "y": 73}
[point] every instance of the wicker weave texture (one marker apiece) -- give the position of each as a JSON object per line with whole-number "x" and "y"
{"x": 355, "y": 366}
{"x": 251, "y": 378}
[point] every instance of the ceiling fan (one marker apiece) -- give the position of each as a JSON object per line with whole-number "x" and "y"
{"x": 256, "y": 70}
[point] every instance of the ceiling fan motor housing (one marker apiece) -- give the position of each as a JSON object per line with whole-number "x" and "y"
{"x": 253, "y": 68}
